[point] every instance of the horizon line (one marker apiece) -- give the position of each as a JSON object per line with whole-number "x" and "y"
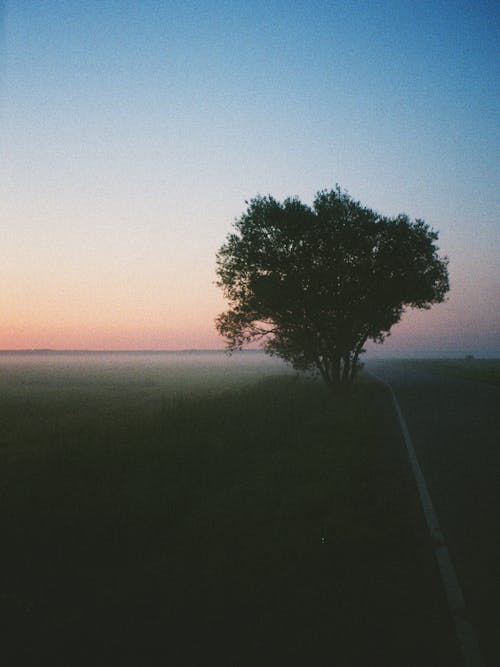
{"x": 222, "y": 349}
{"x": 88, "y": 349}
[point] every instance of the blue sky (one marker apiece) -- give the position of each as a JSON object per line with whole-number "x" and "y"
{"x": 132, "y": 133}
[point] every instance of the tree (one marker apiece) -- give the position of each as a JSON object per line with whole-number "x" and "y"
{"x": 315, "y": 283}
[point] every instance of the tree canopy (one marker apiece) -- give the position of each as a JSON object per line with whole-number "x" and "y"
{"x": 315, "y": 283}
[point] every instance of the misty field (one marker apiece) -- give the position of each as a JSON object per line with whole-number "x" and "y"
{"x": 208, "y": 511}
{"x": 469, "y": 368}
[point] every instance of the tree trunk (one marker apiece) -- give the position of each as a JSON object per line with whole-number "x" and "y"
{"x": 346, "y": 369}
{"x": 336, "y": 373}
{"x": 357, "y": 352}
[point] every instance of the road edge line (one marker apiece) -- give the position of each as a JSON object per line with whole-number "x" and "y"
{"x": 465, "y": 633}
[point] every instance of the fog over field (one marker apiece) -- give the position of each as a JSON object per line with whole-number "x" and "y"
{"x": 67, "y": 392}
{"x": 375, "y": 351}
{"x": 141, "y": 374}
{"x": 149, "y": 376}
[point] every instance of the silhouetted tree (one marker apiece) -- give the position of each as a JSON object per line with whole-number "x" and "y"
{"x": 317, "y": 283}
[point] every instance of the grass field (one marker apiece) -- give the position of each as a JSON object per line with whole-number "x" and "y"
{"x": 475, "y": 370}
{"x": 207, "y": 514}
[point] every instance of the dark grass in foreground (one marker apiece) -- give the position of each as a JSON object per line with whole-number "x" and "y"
{"x": 266, "y": 526}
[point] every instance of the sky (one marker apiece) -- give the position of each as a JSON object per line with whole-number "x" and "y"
{"x": 133, "y": 132}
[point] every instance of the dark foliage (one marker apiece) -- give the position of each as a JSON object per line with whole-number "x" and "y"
{"x": 316, "y": 283}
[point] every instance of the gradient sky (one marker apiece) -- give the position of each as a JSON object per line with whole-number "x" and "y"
{"x": 132, "y": 132}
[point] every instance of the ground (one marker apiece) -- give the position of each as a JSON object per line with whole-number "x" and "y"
{"x": 247, "y": 522}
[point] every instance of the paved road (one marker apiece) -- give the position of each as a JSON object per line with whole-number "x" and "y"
{"x": 455, "y": 428}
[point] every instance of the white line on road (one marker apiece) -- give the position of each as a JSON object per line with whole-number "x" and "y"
{"x": 463, "y": 629}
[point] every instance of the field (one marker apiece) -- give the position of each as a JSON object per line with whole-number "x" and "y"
{"x": 190, "y": 510}
{"x": 475, "y": 370}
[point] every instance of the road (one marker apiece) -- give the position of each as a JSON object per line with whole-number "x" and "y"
{"x": 455, "y": 428}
